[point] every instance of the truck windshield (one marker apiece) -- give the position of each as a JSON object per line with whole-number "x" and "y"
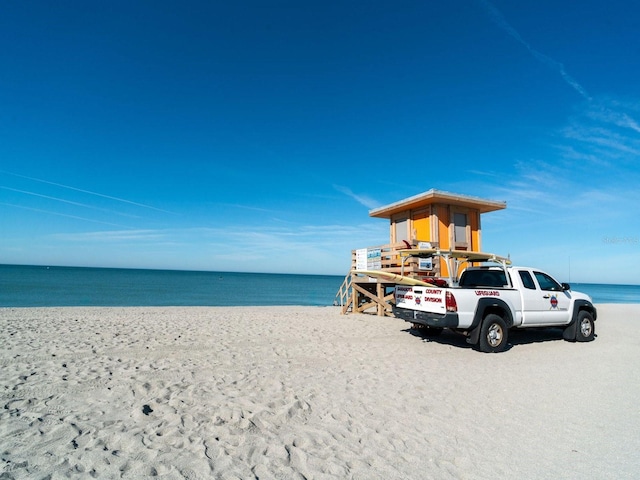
{"x": 483, "y": 278}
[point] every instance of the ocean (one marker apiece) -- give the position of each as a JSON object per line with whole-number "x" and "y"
{"x": 40, "y": 286}
{"x": 35, "y": 286}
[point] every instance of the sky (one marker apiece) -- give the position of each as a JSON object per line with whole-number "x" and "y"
{"x": 256, "y": 136}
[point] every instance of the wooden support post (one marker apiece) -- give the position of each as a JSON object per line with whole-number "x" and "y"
{"x": 354, "y": 297}
{"x": 372, "y": 297}
{"x": 387, "y": 301}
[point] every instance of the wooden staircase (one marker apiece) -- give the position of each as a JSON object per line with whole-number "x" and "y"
{"x": 358, "y": 294}
{"x": 344, "y": 297}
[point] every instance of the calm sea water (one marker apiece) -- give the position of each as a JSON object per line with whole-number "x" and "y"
{"x": 606, "y": 293}
{"x": 33, "y": 286}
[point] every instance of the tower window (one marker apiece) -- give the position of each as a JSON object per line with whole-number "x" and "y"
{"x": 460, "y": 228}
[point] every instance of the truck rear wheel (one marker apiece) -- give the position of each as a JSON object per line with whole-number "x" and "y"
{"x": 493, "y": 334}
{"x": 585, "y": 330}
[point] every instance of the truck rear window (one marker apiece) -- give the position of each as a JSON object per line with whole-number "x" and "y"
{"x": 483, "y": 278}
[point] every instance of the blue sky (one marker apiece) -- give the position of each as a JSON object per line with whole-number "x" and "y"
{"x": 256, "y": 136}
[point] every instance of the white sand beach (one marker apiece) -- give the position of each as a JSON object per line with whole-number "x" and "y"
{"x": 303, "y": 392}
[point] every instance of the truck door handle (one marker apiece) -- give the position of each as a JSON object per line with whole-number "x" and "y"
{"x": 546, "y": 296}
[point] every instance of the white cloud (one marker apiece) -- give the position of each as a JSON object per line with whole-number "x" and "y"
{"x": 579, "y": 201}
{"x": 111, "y": 236}
{"x": 606, "y": 130}
{"x": 321, "y": 249}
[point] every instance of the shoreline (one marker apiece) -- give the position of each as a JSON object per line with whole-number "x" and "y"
{"x": 293, "y": 392}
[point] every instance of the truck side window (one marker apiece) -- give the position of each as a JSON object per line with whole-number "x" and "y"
{"x": 547, "y": 283}
{"x": 527, "y": 281}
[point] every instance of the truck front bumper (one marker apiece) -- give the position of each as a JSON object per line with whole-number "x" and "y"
{"x": 448, "y": 320}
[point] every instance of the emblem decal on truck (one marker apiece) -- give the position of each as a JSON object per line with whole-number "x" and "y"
{"x": 554, "y": 302}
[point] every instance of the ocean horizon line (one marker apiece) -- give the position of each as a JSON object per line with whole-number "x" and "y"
{"x": 158, "y": 269}
{"x": 54, "y": 285}
{"x": 186, "y": 270}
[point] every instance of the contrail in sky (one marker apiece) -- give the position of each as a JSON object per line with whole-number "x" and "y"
{"x": 362, "y": 200}
{"x": 88, "y": 192}
{"x": 63, "y": 215}
{"x": 500, "y": 21}
{"x": 67, "y": 201}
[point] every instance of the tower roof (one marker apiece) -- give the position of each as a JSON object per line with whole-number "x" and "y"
{"x": 437, "y": 196}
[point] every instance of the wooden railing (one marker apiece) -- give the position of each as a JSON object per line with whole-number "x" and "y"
{"x": 360, "y": 293}
{"x": 392, "y": 261}
{"x": 344, "y": 295}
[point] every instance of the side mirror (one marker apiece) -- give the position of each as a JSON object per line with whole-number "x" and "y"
{"x": 565, "y": 287}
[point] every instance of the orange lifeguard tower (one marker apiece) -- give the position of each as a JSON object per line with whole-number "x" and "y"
{"x": 433, "y": 219}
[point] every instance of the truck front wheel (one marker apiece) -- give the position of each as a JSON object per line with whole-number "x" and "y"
{"x": 493, "y": 334}
{"x": 585, "y": 330}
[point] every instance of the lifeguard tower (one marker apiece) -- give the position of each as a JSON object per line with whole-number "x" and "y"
{"x": 430, "y": 220}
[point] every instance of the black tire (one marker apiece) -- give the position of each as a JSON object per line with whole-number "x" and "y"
{"x": 586, "y": 328}
{"x": 494, "y": 334}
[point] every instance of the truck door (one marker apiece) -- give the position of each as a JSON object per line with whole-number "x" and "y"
{"x": 543, "y": 300}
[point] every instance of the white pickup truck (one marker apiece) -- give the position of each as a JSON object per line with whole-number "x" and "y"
{"x": 489, "y": 301}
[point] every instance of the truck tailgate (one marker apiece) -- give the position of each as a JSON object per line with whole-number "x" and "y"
{"x": 424, "y": 299}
